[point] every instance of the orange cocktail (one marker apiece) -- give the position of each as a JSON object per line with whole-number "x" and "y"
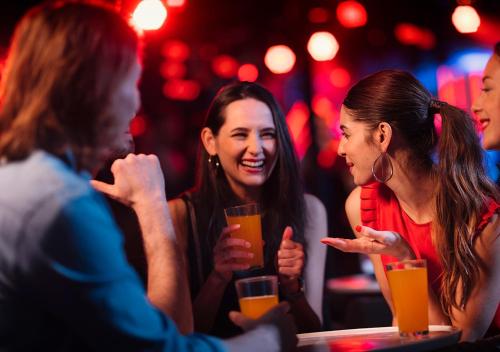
{"x": 255, "y": 307}
{"x": 408, "y": 284}
{"x": 257, "y": 294}
{"x": 248, "y": 217}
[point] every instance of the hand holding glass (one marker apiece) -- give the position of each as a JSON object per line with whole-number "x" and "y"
{"x": 408, "y": 283}
{"x": 257, "y": 295}
{"x": 248, "y": 217}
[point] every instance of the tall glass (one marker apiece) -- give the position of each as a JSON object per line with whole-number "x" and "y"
{"x": 408, "y": 284}
{"x": 248, "y": 217}
{"x": 257, "y": 295}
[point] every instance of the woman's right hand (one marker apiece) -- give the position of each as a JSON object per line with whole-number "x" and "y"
{"x": 230, "y": 254}
{"x": 370, "y": 241}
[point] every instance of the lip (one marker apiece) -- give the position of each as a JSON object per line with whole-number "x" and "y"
{"x": 484, "y": 123}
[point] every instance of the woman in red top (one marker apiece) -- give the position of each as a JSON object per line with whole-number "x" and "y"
{"x": 422, "y": 196}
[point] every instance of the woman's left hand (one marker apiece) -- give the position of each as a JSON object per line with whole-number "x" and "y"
{"x": 290, "y": 262}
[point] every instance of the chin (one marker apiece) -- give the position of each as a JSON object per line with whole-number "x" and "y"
{"x": 491, "y": 143}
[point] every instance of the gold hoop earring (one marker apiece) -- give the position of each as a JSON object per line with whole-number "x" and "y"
{"x": 385, "y": 163}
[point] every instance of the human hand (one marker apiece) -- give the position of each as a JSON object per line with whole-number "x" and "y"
{"x": 229, "y": 253}
{"x": 277, "y": 317}
{"x": 371, "y": 241}
{"x": 290, "y": 262}
{"x": 138, "y": 180}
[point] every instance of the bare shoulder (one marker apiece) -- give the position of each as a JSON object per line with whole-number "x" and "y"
{"x": 178, "y": 212}
{"x": 353, "y": 206}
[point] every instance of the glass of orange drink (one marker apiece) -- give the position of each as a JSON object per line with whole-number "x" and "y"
{"x": 257, "y": 295}
{"x": 248, "y": 217}
{"x": 408, "y": 284}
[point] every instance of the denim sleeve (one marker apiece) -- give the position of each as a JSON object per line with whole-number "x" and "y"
{"x": 78, "y": 271}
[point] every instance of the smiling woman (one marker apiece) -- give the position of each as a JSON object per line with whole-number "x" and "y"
{"x": 248, "y": 157}
{"x": 487, "y": 105}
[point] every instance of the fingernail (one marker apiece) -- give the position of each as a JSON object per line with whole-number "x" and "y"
{"x": 358, "y": 228}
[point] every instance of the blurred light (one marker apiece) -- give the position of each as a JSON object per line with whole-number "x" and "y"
{"x": 326, "y": 157}
{"x": 297, "y": 121}
{"x": 473, "y": 62}
{"x": 409, "y": 34}
{"x": 149, "y": 15}
{"x": 248, "y": 72}
{"x": 465, "y": 19}
{"x": 351, "y": 14}
{"x": 175, "y": 50}
{"x": 322, "y": 46}
{"x": 318, "y": 15}
{"x": 176, "y": 3}
{"x": 225, "y": 66}
{"x": 279, "y": 59}
{"x": 138, "y": 126}
{"x": 172, "y": 69}
{"x": 340, "y": 77}
{"x": 181, "y": 90}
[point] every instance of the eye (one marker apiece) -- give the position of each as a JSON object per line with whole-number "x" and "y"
{"x": 269, "y": 135}
{"x": 239, "y": 135}
{"x": 345, "y": 135}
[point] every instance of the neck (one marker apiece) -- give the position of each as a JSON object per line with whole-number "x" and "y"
{"x": 415, "y": 191}
{"x": 246, "y": 194}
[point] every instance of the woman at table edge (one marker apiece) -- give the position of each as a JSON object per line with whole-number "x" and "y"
{"x": 389, "y": 136}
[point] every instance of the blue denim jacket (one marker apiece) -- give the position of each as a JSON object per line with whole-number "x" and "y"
{"x": 65, "y": 284}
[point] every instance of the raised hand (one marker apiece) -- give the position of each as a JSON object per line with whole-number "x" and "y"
{"x": 230, "y": 254}
{"x": 290, "y": 261}
{"x": 138, "y": 179}
{"x": 370, "y": 241}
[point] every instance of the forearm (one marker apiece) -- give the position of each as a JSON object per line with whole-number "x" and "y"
{"x": 207, "y": 302}
{"x": 167, "y": 285}
{"x": 304, "y": 316}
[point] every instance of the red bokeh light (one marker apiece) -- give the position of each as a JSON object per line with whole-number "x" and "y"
{"x": 318, "y": 15}
{"x": 340, "y": 77}
{"x": 176, "y": 3}
{"x": 176, "y": 50}
{"x": 248, "y": 72}
{"x": 181, "y": 90}
{"x": 138, "y": 126}
{"x": 351, "y": 14}
{"x": 409, "y": 34}
{"x": 225, "y": 66}
{"x": 172, "y": 69}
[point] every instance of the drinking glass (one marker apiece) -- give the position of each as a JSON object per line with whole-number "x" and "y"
{"x": 408, "y": 284}
{"x": 257, "y": 295}
{"x": 248, "y": 217}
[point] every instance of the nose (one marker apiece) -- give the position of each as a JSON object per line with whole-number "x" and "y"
{"x": 341, "y": 150}
{"x": 476, "y": 104}
{"x": 255, "y": 144}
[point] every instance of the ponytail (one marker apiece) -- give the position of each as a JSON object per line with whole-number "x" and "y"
{"x": 462, "y": 193}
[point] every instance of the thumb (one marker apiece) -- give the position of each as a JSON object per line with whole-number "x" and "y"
{"x": 240, "y": 320}
{"x": 288, "y": 233}
{"x": 103, "y": 187}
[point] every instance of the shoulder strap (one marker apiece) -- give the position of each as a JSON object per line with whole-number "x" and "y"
{"x": 192, "y": 224}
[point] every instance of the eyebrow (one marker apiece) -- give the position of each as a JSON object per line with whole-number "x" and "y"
{"x": 343, "y": 127}
{"x": 244, "y": 129}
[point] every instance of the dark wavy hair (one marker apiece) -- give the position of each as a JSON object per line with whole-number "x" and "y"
{"x": 64, "y": 62}
{"x": 283, "y": 198}
{"x": 463, "y": 189}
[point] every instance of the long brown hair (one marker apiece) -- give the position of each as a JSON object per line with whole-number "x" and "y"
{"x": 463, "y": 189}
{"x": 283, "y": 197}
{"x": 64, "y": 62}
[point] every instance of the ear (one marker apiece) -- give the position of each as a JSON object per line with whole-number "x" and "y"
{"x": 208, "y": 140}
{"x": 383, "y": 136}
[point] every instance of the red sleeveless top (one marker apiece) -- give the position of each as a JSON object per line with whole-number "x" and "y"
{"x": 381, "y": 211}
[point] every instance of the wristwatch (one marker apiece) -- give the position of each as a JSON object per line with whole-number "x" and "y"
{"x": 291, "y": 297}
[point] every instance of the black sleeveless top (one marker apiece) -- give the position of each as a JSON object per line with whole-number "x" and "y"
{"x": 200, "y": 261}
